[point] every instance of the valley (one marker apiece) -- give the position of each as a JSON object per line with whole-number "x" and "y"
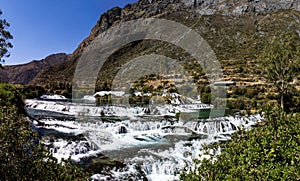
{"x": 161, "y": 90}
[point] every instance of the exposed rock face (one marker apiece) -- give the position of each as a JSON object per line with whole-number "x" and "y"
{"x": 141, "y": 9}
{"x": 233, "y": 7}
{"x": 238, "y": 7}
{"x": 23, "y": 74}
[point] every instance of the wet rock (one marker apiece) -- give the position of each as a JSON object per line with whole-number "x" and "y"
{"x": 197, "y": 137}
{"x": 122, "y": 130}
{"x": 104, "y": 165}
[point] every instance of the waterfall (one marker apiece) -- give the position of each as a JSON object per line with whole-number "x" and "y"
{"x": 152, "y": 146}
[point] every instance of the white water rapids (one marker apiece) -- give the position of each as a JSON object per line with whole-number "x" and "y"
{"x": 153, "y": 147}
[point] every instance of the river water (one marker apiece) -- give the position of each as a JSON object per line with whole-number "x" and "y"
{"x": 120, "y": 143}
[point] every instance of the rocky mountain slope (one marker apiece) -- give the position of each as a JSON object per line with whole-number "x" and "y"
{"x": 240, "y": 7}
{"x": 236, "y": 30}
{"x": 24, "y": 73}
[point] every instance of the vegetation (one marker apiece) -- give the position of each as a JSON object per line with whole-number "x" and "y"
{"x": 22, "y": 156}
{"x": 281, "y": 63}
{"x": 271, "y": 150}
{"x": 153, "y": 84}
{"x": 31, "y": 92}
{"x": 10, "y": 96}
{"x": 268, "y": 152}
{"x": 5, "y": 36}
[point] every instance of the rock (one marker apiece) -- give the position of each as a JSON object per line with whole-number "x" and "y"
{"x": 122, "y": 130}
{"x": 239, "y": 7}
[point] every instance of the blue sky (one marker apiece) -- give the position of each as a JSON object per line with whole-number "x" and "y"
{"x": 43, "y": 27}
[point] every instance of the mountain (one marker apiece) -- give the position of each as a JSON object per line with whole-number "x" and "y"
{"x": 240, "y": 7}
{"x": 237, "y": 31}
{"x": 24, "y": 73}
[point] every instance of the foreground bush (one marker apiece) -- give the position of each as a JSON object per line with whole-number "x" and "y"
{"x": 22, "y": 157}
{"x": 270, "y": 151}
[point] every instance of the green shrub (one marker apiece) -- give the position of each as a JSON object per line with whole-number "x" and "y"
{"x": 31, "y": 92}
{"x": 22, "y": 157}
{"x": 10, "y": 96}
{"x": 268, "y": 152}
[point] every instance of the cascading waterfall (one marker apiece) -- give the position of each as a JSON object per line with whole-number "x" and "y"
{"x": 83, "y": 109}
{"x": 151, "y": 146}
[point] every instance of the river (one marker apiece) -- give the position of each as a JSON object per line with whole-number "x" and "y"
{"x": 122, "y": 143}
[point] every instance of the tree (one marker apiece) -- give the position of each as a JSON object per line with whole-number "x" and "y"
{"x": 5, "y": 36}
{"x": 280, "y": 62}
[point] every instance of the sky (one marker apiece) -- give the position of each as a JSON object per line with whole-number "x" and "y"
{"x": 43, "y": 27}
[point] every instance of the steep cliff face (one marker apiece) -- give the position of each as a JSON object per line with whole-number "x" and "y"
{"x": 239, "y": 7}
{"x": 232, "y": 7}
{"x": 23, "y": 74}
{"x": 236, "y": 30}
{"x": 142, "y": 9}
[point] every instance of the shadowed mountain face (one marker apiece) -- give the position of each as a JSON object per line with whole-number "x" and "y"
{"x": 24, "y": 73}
{"x": 237, "y": 31}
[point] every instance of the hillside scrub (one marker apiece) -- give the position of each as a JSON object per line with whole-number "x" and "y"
{"x": 271, "y": 151}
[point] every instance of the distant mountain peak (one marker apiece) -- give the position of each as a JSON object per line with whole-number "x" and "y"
{"x": 24, "y": 73}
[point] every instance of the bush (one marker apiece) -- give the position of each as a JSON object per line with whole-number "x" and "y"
{"x": 10, "y": 96}
{"x": 267, "y": 152}
{"x": 31, "y": 92}
{"x": 22, "y": 157}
